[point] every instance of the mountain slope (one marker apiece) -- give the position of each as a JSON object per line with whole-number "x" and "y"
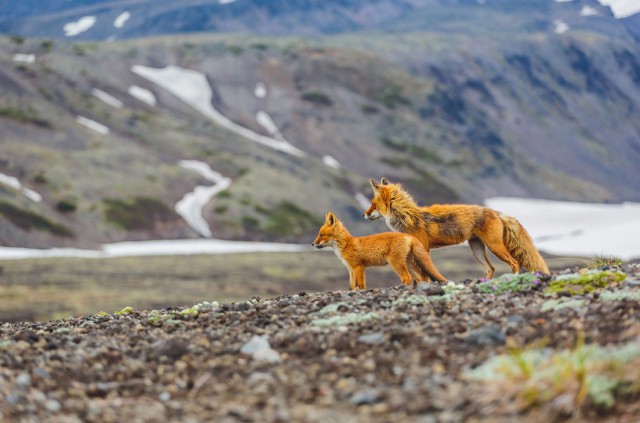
{"x": 469, "y": 110}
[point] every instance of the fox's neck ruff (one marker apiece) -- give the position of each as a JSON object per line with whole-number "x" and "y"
{"x": 404, "y": 214}
{"x": 341, "y": 238}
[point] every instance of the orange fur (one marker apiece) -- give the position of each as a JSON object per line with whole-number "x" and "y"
{"x": 440, "y": 225}
{"x": 402, "y": 251}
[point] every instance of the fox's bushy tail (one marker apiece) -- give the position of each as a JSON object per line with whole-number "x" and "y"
{"x": 520, "y": 245}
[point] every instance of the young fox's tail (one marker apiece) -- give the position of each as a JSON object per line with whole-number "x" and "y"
{"x": 520, "y": 245}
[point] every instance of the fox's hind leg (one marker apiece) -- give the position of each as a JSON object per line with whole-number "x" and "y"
{"x": 477, "y": 248}
{"x": 493, "y": 240}
{"x": 402, "y": 269}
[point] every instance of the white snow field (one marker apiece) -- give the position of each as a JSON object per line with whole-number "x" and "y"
{"x": 14, "y": 183}
{"x": 156, "y": 248}
{"x": 577, "y": 229}
{"x": 191, "y": 205}
{"x": 83, "y": 24}
{"x": 622, "y": 8}
{"x": 193, "y": 88}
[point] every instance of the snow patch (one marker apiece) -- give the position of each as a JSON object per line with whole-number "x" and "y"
{"x": 106, "y": 98}
{"x": 72, "y": 29}
{"x": 226, "y": 1}
{"x": 582, "y": 229}
{"x": 191, "y": 205}
{"x": 622, "y": 8}
{"x": 24, "y": 58}
{"x": 267, "y": 123}
{"x": 156, "y": 248}
{"x": 260, "y": 90}
{"x": 193, "y": 88}
{"x": 588, "y": 11}
{"x": 331, "y": 162}
{"x": 143, "y": 95}
{"x": 560, "y": 27}
{"x": 93, "y": 125}
{"x": 14, "y": 183}
{"x": 121, "y": 19}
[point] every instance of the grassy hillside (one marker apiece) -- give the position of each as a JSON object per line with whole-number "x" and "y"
{"x": 452, "y": 119}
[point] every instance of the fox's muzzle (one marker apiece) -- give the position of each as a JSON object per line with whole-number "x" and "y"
{"x": 372, "y": 216}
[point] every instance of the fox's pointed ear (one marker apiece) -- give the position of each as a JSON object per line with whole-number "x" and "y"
{"x": 384, "y": 181}
{"x": 330, "y": 219}
{"x": 374, "y": 184}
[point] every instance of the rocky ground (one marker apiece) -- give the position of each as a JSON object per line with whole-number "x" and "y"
{"x": 387, "y": 354}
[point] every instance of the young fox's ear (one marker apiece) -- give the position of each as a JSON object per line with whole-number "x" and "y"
{"x": 374, "y": 184}
{"x": 331, "y": 219}
{"x": 384, "y": 181}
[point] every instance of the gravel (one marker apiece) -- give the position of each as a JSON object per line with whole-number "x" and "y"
{"x": 395, "y": 354}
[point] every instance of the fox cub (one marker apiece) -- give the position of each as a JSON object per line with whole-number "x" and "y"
{"x": 402, "y": 251}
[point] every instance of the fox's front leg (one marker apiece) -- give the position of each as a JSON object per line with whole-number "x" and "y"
{"x": 360, "y": 279}
{"x": 352, "y": 279}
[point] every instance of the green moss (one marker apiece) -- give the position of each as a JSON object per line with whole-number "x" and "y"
{"x": 27, "y": 220}
{"x": 346, "y": 319}
{"x": 137, "y": 213}
{"x": 583, "y": 283}
{"x": 124, "y": 312}
{"x": 561, "y": 303}
{"x": 510, "y": 283}
{"x": 622, "y": 295}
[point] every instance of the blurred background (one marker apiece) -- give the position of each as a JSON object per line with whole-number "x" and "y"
{"x": 247, "y": 120}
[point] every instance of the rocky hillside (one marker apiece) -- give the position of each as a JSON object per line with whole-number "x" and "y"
{"x": 473, "y": 107}
{"x": 477, "y": 351}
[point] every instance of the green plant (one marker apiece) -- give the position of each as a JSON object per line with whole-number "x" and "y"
{"x": 583, "y": 283}
{"x": 601, "y": 261}
{"x": 124, "y": 312}
{"x": 586, "y": 374}
{"x": 16, "y": 39}
{"x": 510, "y": 283}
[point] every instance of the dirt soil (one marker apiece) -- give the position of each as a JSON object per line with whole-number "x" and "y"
{"x": 395, "y": 354}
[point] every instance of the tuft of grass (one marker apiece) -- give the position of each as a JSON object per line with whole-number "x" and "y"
{"x": 510, "y": 283}
{"x": 621, "y": 295}
{"x": 584, "y": 283}
{"x": 346, "y": 319}
{"x": 587, "y": 375}
{"x": 599, "y": 262}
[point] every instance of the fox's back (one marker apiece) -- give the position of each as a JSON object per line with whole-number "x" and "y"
{"x": 373, "y": 250}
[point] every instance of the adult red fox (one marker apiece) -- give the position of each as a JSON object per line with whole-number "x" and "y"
{"x": 402, "y": 251}
{"x": 440, "y": 225}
